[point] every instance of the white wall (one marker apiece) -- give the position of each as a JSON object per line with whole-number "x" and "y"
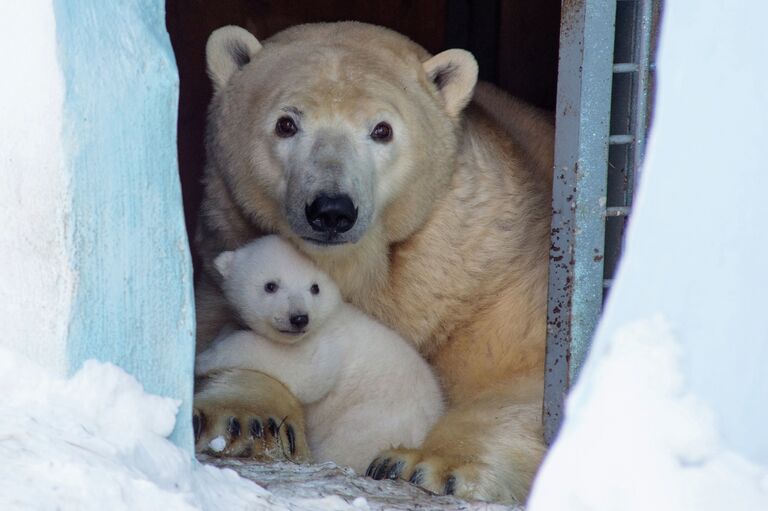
{"x": 671, "y": 409}
{"x": 36, "y": 281}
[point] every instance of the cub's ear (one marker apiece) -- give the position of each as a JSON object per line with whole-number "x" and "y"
{"x": 227, "y": 50}
{"x": 454, "y": 72}
{"x": 223, "y": 263}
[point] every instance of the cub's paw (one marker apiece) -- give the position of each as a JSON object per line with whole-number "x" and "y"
{"x": 437, "y": 474}
{"x": 247, "y": 414}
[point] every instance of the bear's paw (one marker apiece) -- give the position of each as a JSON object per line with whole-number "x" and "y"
{"x": 246, "y": 414}
{"x": 441, "y": 475}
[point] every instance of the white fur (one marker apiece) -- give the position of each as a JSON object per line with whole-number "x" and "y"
{"x": 366, "y": 389}
{"x": 221, "y": 49}
{"x": 459, "y": 75}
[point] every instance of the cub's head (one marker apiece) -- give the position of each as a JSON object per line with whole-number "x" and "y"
{"x": 276, "y": 292}
{"x": 329, "y": 133}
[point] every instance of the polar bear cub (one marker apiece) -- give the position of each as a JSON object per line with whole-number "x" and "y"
{"x": 364, "y": 387}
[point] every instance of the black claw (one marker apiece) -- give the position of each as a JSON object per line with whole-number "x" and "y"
{"x": 272, "y": 426}
{"x": 291, "y": 439}
{"x": 395, "y": 469}
{"x": 450, "y": 485}
{"x": 381, "y": 471}
{"x": 247, "y": 452}
{"x": 417, "y": 477}
{"x": 233, "y": 427}
{"x": 372, "y": 467}
{"x": 254, "y": 427}
{"x": 197, "y": 426}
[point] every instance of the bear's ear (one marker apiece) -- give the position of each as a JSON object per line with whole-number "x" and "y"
{"x": 227, "y": 50}
{"x": 454, "y": 72}
{"x": 223, "y": 263}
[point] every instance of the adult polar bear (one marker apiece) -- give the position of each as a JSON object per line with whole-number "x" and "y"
{"x": 359, "y": 147}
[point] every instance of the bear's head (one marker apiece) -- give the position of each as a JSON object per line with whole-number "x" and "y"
{"x": 331, "y": 134}
{"x": 276, "y": 292}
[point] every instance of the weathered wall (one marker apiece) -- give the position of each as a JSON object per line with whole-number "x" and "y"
{"x": 36, "y": 278}
{"x": 96, "y": 261}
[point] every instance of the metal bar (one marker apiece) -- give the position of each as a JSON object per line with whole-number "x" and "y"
{"x": 578, "y": 203}
{"x": 643, "y": 58}
{"x": 625, "y": 67}
{"x": 621, "y": 156}
{"x": 621, "y": 139}
{"x": 617, "y": 211}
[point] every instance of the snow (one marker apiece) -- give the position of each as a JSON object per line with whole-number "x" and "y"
{"x": 98, "y": 441}
{"x": 637, "y": 439}
{"x": 218, "y": 444}
{"x": 669, "y": 411}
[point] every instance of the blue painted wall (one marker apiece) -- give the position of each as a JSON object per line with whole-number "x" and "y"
{"x": 133, "y": 302}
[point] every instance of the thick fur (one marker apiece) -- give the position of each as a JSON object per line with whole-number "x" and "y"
{"x": 263, "y": 423}
{"x": 452, "y": 249}
{"x": 330, "y": 365}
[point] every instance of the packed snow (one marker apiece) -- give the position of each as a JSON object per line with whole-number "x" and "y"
{"x": 98, "y": 441}
{"x": 218, "y": 444}
{"x": 637, "y": 440}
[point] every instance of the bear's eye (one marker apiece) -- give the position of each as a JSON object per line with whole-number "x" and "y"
{"x": 285, "y": 127}
{"x": 315, "y": 289}
{"x": 382, "y": 132}
{"x": 270, "y": 287}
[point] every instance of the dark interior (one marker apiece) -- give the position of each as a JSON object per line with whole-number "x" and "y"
{"x": 514, "y": 41}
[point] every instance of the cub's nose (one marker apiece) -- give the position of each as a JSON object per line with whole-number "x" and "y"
{"x": 299, "y": 320}
{"x": 331, "y": 214}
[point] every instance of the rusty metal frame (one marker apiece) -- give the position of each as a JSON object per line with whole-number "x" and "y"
{"x": 602, "y": 126}
{"x": 579, "y": 194}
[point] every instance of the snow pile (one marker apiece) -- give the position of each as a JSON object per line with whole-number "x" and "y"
{"x": 636, "y": 439}
{"x": 98, "y": 441}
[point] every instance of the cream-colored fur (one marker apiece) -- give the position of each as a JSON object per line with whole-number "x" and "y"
{"x": 266, "y": 416}
{"x": 454, "y": 251}
{"x": 331, "y": 364}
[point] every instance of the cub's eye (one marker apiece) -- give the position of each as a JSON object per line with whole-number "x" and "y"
{"x": 285, "y": 127}
{"x": 270, "y": 287}
{"x": 382, "y": 132}
{"x": 315, "y": 289}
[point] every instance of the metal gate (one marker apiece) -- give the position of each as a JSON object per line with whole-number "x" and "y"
{"x": 602, "y": 117}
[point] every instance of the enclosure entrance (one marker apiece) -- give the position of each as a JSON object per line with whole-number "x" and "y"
{"x": 600, "y": 101}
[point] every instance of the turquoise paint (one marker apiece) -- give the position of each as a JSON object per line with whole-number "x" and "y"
{"x": 133, "y": 300}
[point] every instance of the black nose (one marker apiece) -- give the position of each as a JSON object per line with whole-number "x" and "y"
{"x": 331, "y": 214}
{"x": 300, "y": 320}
